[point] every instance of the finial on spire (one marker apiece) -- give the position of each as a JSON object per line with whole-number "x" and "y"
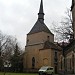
{"x": 41, "y": 13}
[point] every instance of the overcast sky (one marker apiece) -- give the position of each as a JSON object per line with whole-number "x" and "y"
{"x": 17, "y": 17}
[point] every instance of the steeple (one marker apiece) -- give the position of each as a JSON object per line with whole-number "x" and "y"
{"x": 41, "y": 13}
{"x": 40, "y": 25}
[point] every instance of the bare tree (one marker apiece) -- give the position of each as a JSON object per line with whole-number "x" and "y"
{"x": 3, "y": 41}
{"x": 7, "y": 46}
{"x": 64, "y": 30}
{"x": 8, "y": 49}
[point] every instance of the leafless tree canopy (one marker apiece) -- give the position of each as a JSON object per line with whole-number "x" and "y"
{"x": 64, "y": 30}
{"x": 10, "y": 53}
{"x": 7, "y": 47}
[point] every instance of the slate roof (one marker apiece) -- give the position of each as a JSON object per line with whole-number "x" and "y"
{"x": 39, "y": 27}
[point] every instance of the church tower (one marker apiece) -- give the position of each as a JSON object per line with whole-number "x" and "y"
{"x": 73, "y": 15}
{"x": 40, "y": 47}
{"x": 40, "y": 28}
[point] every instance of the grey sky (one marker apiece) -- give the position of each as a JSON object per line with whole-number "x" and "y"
{"x": 17, "y": 17}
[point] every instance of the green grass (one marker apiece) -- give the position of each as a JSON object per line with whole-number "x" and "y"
{"x": 21, "y": 74}
{"x": 18, "y": 74}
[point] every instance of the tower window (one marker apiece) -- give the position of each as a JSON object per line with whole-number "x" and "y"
{"x": 27, "y": 40}
{"x": 48, "y": 37}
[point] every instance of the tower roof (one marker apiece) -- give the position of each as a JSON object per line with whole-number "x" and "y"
{"x": 40, "y": 25}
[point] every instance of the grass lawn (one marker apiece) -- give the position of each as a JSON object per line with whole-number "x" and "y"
{"x": 21, "y": 74}
{"x": 18, "y": 74}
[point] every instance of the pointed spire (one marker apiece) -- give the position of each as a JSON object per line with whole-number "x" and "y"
{"x": 41, "y": 13}
{"x": 41, "y": 7}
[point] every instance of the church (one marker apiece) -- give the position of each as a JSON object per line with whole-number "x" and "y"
{"x": 40, "y": 49}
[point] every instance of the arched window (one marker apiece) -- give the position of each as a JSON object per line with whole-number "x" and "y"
{"x": 33, "y": 62}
